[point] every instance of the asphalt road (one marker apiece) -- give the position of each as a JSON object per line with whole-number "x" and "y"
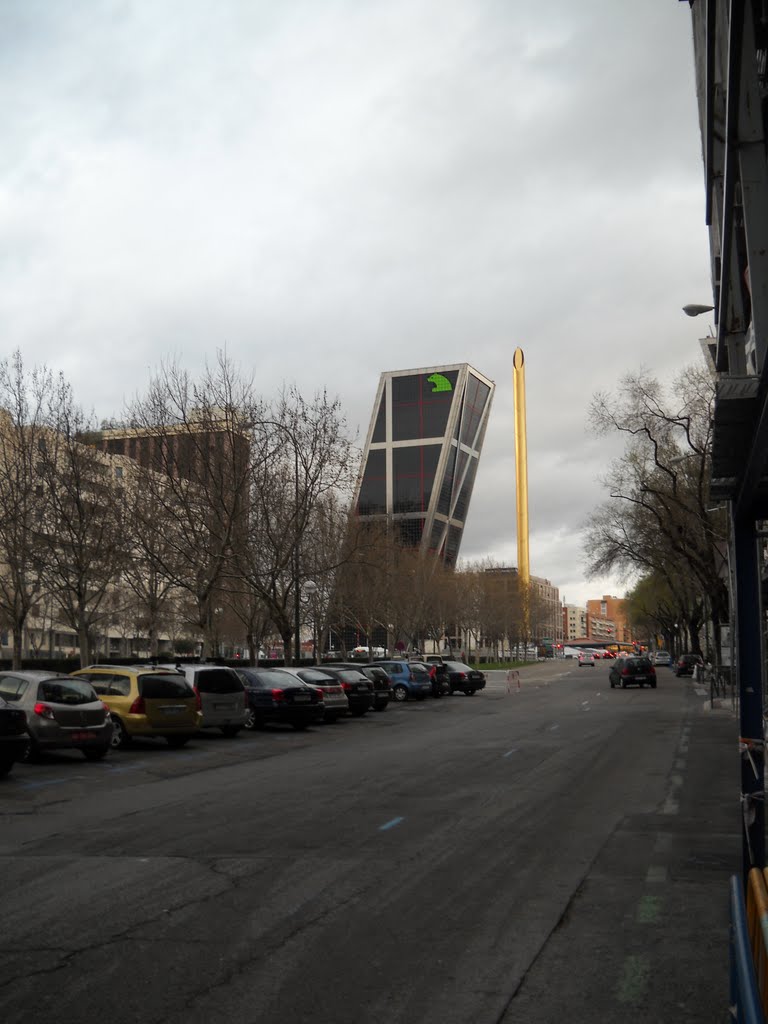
{"x": 528, "y": 857}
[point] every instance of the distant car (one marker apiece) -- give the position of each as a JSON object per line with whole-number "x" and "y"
{"x": 382, "y": 688}
{"x": 278, "y": 696}
{"x": 464, "y": 678}
{"x": 62, "y": 713}
{"x": 357, "y": 686}
{"x": 13, "y": 736}
{"x": 438, "y": 677}
{"x": 335, "y": 702}
{"x": 632, "y": 671}
{"x": 223, "y": 702}
{"x": 586, "y": 658}
{"x": 686, "y": 663}
{"x": 410, "y": 681}
{"x": 145, "y": 703}
{"x": 662, "y": 658}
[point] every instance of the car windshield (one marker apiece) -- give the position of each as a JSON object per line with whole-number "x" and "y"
{"x": 313, "y": 676}
{"x": 162, "y": 687}
{"x": 351, "y": 675}
{"x": 458, "y": 666}
{"x": 218, "y": 681}
{"x": 66, "y": 691}
{"x": 270, "y": 679}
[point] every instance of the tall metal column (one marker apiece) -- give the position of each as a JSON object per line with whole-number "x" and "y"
{"x": 521, "y": 476}
{"x": 749, "y": 649}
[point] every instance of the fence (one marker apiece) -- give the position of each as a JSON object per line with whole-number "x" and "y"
{"x": 745, "y": 994}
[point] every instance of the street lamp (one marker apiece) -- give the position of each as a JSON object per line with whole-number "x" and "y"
{"x": 310, "y": 590}
{"x": 695, "y": 309}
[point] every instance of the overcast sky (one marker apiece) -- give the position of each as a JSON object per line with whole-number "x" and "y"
{"x": 334, "y": 188}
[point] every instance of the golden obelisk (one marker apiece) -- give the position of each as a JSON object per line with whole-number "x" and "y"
{"x": 521, "y": 475}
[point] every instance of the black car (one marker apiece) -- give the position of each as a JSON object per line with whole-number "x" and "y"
{"x": 686, "y": 663}
{"x": 632, "y": 672}
{"x": 438, "y": 676}
{"x": 462, "y": 677}
{"x": 275, "y": 696}
{"x": 13, "y": 736}
{"x": 382, "y": 688}
{"x": 357, "y": 686}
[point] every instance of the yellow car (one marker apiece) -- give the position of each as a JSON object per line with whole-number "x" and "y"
{"x": 145, "y": 702}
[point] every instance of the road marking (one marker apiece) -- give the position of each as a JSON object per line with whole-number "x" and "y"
{"x": 48, "y": 782}
{"x": 656, "y": 873}
{"x": 649, "y": 909}
{"x": 634, "y": 978}
{"x": 514, "y": 750}
{"x": 553, "y": 727}
{"x": 390, "y": 824}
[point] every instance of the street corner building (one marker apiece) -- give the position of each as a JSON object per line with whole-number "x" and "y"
{"x": 422, "y": 452}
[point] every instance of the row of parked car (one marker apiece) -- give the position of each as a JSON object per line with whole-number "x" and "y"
{"x": 104, "y": 707}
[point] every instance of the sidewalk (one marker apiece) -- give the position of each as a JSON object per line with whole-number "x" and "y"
{"x": 646, "y": 938}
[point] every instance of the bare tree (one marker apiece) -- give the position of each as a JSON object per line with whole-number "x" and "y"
{"x": 306, "y": 461}
{"x": 82, "y": 529}
{"x": 658, "y": 518}
{"x": 24, "y": 405}
{"x": 196, "y": 438}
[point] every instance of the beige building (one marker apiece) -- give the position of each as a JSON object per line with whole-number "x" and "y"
{"x": 546, "y": 610}
{"x": 574, "y": 622}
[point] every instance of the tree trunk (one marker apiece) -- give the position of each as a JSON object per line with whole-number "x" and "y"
{"x": 85, "y": 646}
{"x": 253, "y": 656}
{"x": 18, "y": 633}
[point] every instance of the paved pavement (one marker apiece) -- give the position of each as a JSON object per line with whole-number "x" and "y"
{"x": 664, "y": 877}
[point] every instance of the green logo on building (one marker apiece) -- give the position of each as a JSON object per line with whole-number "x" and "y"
{"x": 441, "y": 383}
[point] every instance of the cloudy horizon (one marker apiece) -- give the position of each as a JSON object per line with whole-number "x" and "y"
{"x": 331, "y": 190}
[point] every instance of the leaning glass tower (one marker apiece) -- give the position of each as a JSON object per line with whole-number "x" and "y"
{"x": 421, "y": 455}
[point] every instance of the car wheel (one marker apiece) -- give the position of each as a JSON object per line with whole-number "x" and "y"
{"x": 5, "y": 767}
{"x": 612, "y": 684}
{"x": 177, "y": 741}
{"x": 31, "y": 752}
{"x": 399, "y": 692}
{"x": 250, "y": 719}
{"x": 95, "y": 753}
{"x": 230, "y": 731}
{"x": 653, "y": 686}
{"x": 120, "y": 737}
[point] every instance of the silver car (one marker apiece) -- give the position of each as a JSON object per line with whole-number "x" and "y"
{"x": 63, "y": 713}
{"x": 334, "y": 698}
{"x": 223, "y": 700}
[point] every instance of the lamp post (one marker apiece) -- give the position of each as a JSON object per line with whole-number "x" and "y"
{"x": 310, "y": 590}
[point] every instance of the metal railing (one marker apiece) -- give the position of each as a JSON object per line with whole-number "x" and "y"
{"x": 744, "y": 992}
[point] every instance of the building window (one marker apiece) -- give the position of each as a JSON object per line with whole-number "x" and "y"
{"x": 413, "y": 471}
{"x": 420, "y": 406}
{"x": 373, "y": 489}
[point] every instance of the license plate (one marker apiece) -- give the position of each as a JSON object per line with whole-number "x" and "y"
{"x": 173, "y": 711}
{"x": 301, "y": 698}
{"x": 221, "y": 707}
{"x": 78, "y": 736}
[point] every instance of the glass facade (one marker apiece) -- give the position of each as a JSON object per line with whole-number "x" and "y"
{"x": 422, "y": 452}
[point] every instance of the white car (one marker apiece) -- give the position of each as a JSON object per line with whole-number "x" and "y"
{"x": 662, "y": 658}
{"x": 587, "y": 658}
